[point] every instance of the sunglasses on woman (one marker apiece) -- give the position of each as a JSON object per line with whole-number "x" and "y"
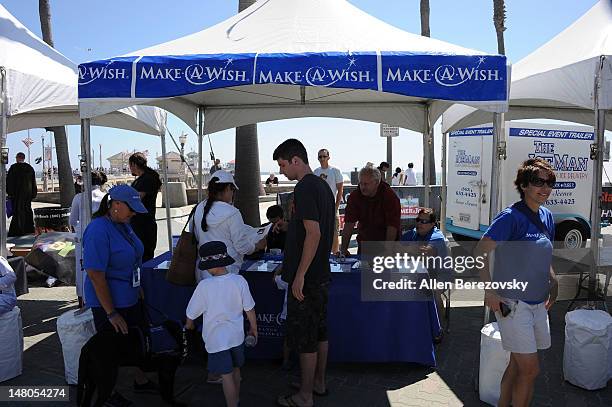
{"x": 539, "y": 182}
{"x": 423, "y": 221}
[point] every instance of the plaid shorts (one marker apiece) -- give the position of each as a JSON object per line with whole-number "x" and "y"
{"x": 307, "y": 320}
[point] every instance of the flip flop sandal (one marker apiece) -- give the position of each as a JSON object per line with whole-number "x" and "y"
{"x": 288, "y": 401}
{"x": 297, "y": 385}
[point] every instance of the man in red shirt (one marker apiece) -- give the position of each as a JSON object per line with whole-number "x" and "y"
{"x": 377, "y": 209}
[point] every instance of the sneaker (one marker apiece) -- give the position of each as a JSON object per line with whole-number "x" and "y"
{"x": 148, "y": 387}
{"x": 117, "y": 400}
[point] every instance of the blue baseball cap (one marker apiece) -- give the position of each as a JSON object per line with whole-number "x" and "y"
{"x": 129, "y": 195}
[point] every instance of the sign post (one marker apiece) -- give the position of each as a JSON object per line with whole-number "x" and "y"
{"x": 389, "y": 132}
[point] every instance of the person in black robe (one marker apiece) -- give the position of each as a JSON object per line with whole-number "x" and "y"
{"x": 148, "y": 185}
{"x": 21, "y": 190}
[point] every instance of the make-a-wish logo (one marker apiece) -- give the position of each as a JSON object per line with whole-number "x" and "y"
{"x": 445, "y": 75}
{"x": 318, "y": 75}
{"x": 89, "y": 74}
{"x": 201, "y": 74}
{"x": 448, "y": 75}
{"x": 269, "y": 319}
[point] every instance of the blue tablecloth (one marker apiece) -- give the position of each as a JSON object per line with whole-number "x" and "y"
{"x": 358, "y": 331}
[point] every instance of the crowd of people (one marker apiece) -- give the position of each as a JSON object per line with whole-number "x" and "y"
{"x": 122, "y": 235}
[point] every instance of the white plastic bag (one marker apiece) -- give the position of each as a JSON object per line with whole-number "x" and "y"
{"x": 587, "y": 353}
{"x": 74, "y": 330}
{"x": 11, "y": 344}
{"x": 493, "y": 362}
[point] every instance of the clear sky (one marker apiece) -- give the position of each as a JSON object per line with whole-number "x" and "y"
{"x": 89, "y": 30}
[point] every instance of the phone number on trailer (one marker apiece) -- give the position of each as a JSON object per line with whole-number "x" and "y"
{"x": 568, "y": 201}
{"x": 34, "y": 393}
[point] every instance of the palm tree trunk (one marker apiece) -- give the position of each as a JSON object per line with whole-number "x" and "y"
{"x": 425, "y": 29}
{"x": 499, "y": 20}
{"x": 247, "y": 164}
{"x": 64, "y": 169}
{"x": 426, "y": 32}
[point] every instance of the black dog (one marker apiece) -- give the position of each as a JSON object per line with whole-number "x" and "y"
{"x": 107, "y": 350}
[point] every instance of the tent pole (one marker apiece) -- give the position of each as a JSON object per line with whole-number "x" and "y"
{"x": 3, "y": 130}
{"x": 443, "y": 188}
{"x": 86, "y": 174}
{"x": 596, "y": 156}
{"x": 426, "y": 149}
{"x": 601, "y": 127}
{"x": 200, "y": 140}
{"x": 597, "y": 149}
{"x": 498, "y": 151}
{"x": 162, "y": 137}
{"x": 389, "y": 159}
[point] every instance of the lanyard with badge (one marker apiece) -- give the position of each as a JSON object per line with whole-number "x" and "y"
{"x": 136, "y": 269}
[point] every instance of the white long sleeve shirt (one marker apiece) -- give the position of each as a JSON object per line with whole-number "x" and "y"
{"x": 225, "y": 225}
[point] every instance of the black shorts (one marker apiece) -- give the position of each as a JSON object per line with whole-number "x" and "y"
{"x": 307, "y": 320}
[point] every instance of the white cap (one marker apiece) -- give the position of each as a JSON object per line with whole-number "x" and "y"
{"x": 224, "y": 177}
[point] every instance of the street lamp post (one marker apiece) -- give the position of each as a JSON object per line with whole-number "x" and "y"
{"x": 182, "y": 141}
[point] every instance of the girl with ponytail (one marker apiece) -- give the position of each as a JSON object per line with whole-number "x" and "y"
{"x": 216, "y": 219}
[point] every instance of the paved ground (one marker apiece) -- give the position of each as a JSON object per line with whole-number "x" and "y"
{"x": 398, "y": 384}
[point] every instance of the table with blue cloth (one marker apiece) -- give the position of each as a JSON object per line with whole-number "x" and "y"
{"x": 358, "y": 331}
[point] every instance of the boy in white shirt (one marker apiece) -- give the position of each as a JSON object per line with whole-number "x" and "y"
{"x": 221, "y": 300}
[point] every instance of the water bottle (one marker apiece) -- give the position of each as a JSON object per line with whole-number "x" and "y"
{"x": 250, "y": 341}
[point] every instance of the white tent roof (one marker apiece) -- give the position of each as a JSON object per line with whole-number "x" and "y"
{"x": 557, "y": 80}
{"x": 286, "y": 29}
{"x": 42, "y": 86}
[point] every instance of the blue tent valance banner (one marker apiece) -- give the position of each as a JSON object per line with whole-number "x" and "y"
{"x": 434, "y": 76}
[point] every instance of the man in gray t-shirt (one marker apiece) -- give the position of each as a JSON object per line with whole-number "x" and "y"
{"x": 334, "y": 179}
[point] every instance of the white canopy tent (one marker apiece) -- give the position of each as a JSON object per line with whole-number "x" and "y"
{"x": 568, "y": 78}
{"x": 281, "y": 59}
{"x": 557, "y": 81}
{"x": 39, "y": 90}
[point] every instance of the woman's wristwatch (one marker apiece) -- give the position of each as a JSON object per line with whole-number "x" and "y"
{"x": 111, "y": 315}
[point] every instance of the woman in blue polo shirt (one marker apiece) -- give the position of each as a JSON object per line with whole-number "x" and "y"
{"x": 522, "y": 237}
{"x": 112, "y": 255}
{"x": 432, "y": 243}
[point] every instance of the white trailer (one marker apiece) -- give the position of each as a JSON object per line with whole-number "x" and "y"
{"x": 567, "y": 148}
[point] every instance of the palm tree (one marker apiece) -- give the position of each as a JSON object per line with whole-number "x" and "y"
{"x": 64, "y": 169}
{"x": 426, "y": 32}
{"x": 499, "y": 19}
{"x": 247, "y": 164}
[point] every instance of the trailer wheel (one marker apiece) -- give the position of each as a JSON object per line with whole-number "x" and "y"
{"x": 570, "y": 235}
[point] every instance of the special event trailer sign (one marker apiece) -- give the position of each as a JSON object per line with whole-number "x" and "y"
{"x": 448, "y": 77}
{"x": 468, "y": 176}
{"x": 567, "y": 150}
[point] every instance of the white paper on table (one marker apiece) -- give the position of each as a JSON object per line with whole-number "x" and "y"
{"x": 263, "y": 265}
{"x": 335, "y": 268}
{"x": 256, "y": 234}
{"x": 164, "y": 265}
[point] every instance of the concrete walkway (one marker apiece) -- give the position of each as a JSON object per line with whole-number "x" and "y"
{"x": 368, "y": 385}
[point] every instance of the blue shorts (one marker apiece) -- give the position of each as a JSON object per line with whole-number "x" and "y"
{"x": 225, "y": 361}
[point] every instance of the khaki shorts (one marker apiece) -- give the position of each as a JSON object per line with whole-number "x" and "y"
{"x": 525, "y": 329}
